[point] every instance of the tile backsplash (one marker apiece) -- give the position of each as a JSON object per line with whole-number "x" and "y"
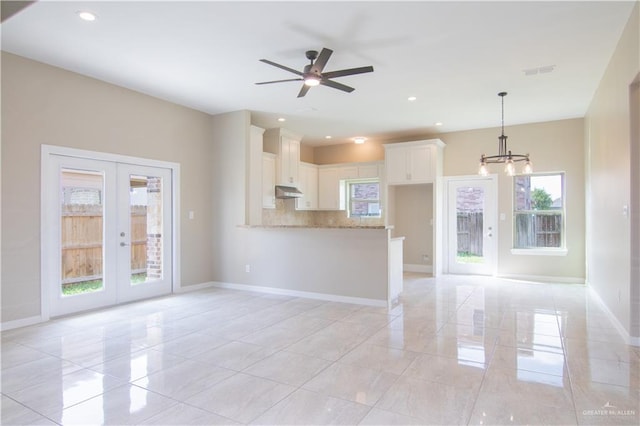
{"x": 285, "y": 213}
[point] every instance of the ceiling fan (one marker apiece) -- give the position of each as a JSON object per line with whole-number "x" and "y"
{"x": 312, "y": 74}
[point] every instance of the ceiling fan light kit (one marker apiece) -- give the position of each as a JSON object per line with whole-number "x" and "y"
{"x": 312, "y": 74}
{"x": 505, "y": 156}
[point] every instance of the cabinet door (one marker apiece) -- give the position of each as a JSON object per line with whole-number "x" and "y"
{"x": 290, "y": 159}
{"x": 396, "y": 165}
{"x": 311, "y": 201}
{"x": 348, "y": 172}
{"x": 369, "y": 171}
{"x": 328, "y": 189}
{"x": 420, "y": 170}
{"x": 268, "y": 181}
{"x": 308, "y": 186}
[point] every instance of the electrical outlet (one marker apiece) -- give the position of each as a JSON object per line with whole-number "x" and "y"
{"x": 247, "y": 268}
{"x": 425, "y": 257}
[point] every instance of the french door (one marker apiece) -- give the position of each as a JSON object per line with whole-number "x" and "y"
{"x": 110, "y": 233}
{"x": 472, "y": 226}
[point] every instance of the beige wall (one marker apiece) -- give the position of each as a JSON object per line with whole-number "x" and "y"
{"x": 348, "y": 153}
{"x": 47, "y": 105}
{"x": 230, "y": 145}
{"x": 555, "y": 146}
{"x": 306, "y": 154}
{"x": 413, "y": 211}
{"x": 609, "y": 184}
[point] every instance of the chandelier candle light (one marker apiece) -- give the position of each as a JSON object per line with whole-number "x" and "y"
{"x": 504, "y": 155}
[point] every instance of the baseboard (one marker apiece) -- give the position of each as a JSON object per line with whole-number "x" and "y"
{"x": 633, "y": 341}
{"x": 24, "y": 322}
{"x": 10, "y": 325}
{"x": 410, "y": 267}
{"x": 543, "y": 279}
{"x": 194, "y": 287}
{"x": 304, "y": 294}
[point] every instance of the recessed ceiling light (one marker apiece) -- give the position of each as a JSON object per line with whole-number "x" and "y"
{"x": 438, "y": 123}
{"x": 328, "y": 137}
{"x": 281, "y": 119}
{"x": 359, "y": 140}
{"x": 86, "y": 16}
{"x": 411, "y": 98}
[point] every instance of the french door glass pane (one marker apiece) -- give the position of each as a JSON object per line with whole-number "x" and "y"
{"x": 469, "y": 213}
{"x": 146, "y": 228}
{"x": 82, "y": 231}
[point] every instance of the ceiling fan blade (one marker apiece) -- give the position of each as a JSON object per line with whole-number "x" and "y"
{"x": 266, "y": 61}
{"x": 304, "y": 90}
{"x": 350, "y": 71}
{"x": 320, "y": 63}
{"x": 336, "y": 85}
{"x": 280, "y": 81}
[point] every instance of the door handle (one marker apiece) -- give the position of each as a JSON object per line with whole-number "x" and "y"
{"x": 123, "y": 244}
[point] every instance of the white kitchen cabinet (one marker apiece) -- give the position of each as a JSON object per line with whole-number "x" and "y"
{"x": 369, "y": 171}
{"x": 308, "y": 187}
{"x": 348, "y": 171}
{"x": 328, "y": 188}
{"x": 286, "y": 146}
{"x": 413, "y": 162}
{"x": 331, "y": 182}
{"x": 253, "y": 212}
{"x": 268, "y": 180}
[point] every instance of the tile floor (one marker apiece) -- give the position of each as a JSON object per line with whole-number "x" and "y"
{"x": 456, "y": 350}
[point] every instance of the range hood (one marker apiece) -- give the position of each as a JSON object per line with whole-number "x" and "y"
{"x": 284, "y": 192}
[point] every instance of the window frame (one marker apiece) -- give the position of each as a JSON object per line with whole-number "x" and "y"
{"x": 349, "y": 199}
{"x": 541, "y": 251}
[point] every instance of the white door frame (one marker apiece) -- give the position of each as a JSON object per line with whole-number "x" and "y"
{"x": 493, "y": 182}
{"x": 48, "y": 219}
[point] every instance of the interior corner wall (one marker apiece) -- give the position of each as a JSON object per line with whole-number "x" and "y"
{"x": 42, "y": 104}
{"x": 609, "y": 183}
{"x": 230, "y": 145}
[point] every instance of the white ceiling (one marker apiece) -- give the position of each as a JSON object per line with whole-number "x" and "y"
{"x": 453, "y": 56}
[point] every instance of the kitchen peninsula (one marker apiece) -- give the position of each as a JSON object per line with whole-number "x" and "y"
{"x": 311, "y": 246}
{"x": 340, "y": 263}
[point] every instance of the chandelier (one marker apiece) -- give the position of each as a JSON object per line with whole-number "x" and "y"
{"x": 505, "y": 156}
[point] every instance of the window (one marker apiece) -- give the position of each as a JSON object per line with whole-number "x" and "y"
{"x": 363, "y": 198}
{"x": 539, "y": 211}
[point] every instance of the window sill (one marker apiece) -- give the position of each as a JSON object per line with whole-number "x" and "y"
{"x": 540, "y": 252}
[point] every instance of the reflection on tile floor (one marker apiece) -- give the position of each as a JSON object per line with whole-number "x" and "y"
{"x": 455, "y": 350}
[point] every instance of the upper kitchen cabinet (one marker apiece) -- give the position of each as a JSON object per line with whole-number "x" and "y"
{"x": 332, "y": 178}
{"x": 308, "y": 187}
{"x": 268, "y": 180}
{"x": 253, "y": 212}
{"x": 413, "y": 162}
{"x": 286, "y": 146}
{"x": 329, "y": 188}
